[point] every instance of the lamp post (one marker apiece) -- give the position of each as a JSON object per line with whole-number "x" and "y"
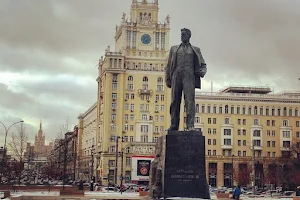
{"x": 232, "y": 170}
{"x": 6, "y": 132}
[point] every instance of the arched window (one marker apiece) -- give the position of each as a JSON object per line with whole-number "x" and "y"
{"x": 145, "y": 66}
{"x": 255, "y": 110}
{"x": 145, "y": 83}
{"x": 249, "y": 110}
{"x": 160, "y": 84}
{"x": 197, "y": 108}
{"x": 130, "y": 83}
{"x": 284, "y": 112}
{"x": 232, "y": 110}
{"x": 291, "y": 112}
{"x": 226, "y": 109}
{"x": 238, "y": 110}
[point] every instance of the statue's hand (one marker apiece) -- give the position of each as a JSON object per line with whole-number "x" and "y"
{"x": 202, "y": 72}
{"x": 168, "y": 83}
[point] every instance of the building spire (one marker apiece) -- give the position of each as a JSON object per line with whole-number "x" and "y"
{"x": 41, "y": 125}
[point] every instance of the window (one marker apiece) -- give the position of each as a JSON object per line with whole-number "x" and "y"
{"x": 238, "y": 110}
{"x": 155, "y": 139}
{"x": 279, "y": 112}
{"x": 297, "y": 123}
{"x": 125, "y": 138}
{"x": 286, "y": 134}
{"x": 163, "y": 38}
{"x": 162, "y": 129}
{"x": 144, "y": 117}
{"x": 160, "y": 84}
{"x": 239, "y": 131}
{"x": 113, "y": 117}
{"x": 267, "y": 111}
{"x": 268, "y": 143}
{"x": 111, "y": 163}
{"x": 244, "y": 132}
{"x": 197, "y": 120}
{"x": 220, "y": 109}
{"x": 268, "y": 132}
{"x": 157, "y": 97}
{"x": 126, "y": 117}
{"x": 209, "y": 120}
{"x": 214, "y": 141}
{"x": 273, "y": 111}
{"x": 203, "y": 109}
{"x": 232, "y": 110}
{"x": 227, "y": 141}
{"x": 162, "y": 118}
{"x": 257, "y": 143}
{"x": 239, "y": 143}
{"x": 227, "y": 131}
{"x": 244, "y": 153}
{"x": 214, "y": 131}
{"x": 128, "y": 161}
{"x": 113, "y": 105}
{"x": 244, "y": 143}
{"x": 156, "y": 129}
{"x": 239, "y": 121}
{"x": 286, "y": 144}
{"x": 131, "y": 106}
{"x": 209, "y": 141}
{"x": 144, "y": 138}
{"x": 215, "y": 109}
{"x": 145, "y": 83}
{"x": 273, "y": 123}
{"x": 239, "y": 153}
{"x": 297, "y": 134}
{"x": 285, "y": 123}
{"x": 162, "y": 97}
{"x": 226, "y": 121}
{"x": 244, "y": 110}
{"x": 114, "y": 95}
{"x": 115, "y": 81}
{"x": 226, "y": 109}
{"x": 197, "y": 108}
{"x": 255, "y": 110}
{"x": 162, "y": 107}
{"x": 131, "y": 127}
{"x": 208, "y": 109}
{"x": 144, "y": 128}
{"x": 131, "y": 138}
{"x": 261, "y": 111}
{"x": 131, "y": 117}
{"x": 132, "y": 96}
{"x": 156, "y": 118}
{"x": 214, "y": 120}
{"x": 214, "y": 152}
{"x": 256, "y": 122}
{"x": 244, "y": 122}
{"x": 249, "y": 110}
{"x": 126, "y": 127}
{"x": 209, "y": 130}
{"x": 256, "y": 133}
{"x": 209, "y": 152}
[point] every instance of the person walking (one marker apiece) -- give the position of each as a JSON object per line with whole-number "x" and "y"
{"x": 298, "y": 191}
{"x": 237, "y": 193}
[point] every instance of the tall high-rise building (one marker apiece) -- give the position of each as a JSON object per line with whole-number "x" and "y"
{"x": 40, "y": 148}
{"x": 133, "y": 100}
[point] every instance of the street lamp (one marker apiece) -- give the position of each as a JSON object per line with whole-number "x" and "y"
{"x": 232, "y": 170}
{"x": 6, "y": 132}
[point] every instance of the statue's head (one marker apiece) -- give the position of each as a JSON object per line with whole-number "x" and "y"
{"x": 185, "y": 35}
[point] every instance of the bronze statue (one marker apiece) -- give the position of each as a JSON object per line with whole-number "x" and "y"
{"x": 184, "y": 69}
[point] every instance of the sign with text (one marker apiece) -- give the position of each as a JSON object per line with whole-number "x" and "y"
{"x": 141, "y": 167}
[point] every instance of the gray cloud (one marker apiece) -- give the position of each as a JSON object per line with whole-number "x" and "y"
{"x": 54, "y": 47}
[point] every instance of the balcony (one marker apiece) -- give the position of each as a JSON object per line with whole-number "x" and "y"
{"x": 227, "y": 147}
{"x": 258, "y": 147}
{"x": 145, "y": 91}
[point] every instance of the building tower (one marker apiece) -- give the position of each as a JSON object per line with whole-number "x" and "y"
{"x": 133, "y": 101}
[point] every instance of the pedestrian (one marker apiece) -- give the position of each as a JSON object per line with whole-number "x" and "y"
{"x": 80, "y": 185}
{"x": 237, "y": 192}
{"x": 298, "y": 191}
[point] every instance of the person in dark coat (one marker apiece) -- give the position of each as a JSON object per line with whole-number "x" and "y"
{"x": 80, "y": 185}
{"x": 298, "y": 191}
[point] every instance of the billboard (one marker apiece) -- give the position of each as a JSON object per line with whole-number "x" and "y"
{"x": 141, "y": 167}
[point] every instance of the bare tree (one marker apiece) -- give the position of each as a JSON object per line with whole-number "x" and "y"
{"x": 18, "y": 145}
{"x": 64, "y": 128}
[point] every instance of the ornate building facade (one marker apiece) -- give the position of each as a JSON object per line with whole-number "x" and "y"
{"x": 132, "y": 106}
{"x": 248, "y": 130}
{"x": 87, "y": 162}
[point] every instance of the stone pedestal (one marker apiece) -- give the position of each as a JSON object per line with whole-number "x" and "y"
{"x": 179, "y": 167}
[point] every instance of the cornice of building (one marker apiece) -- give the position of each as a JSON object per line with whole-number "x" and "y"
{"x": 275, "y": 98}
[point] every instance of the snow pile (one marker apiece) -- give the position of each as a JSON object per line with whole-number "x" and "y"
{"x": 18, "y": 194}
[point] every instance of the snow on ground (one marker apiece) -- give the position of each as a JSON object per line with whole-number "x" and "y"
{"x": 21, "y": 193}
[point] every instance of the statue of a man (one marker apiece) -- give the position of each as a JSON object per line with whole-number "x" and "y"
{"x": 184, "y": 69}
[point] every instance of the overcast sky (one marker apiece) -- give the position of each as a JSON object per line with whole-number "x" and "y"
{"x": 49, "y": 50}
